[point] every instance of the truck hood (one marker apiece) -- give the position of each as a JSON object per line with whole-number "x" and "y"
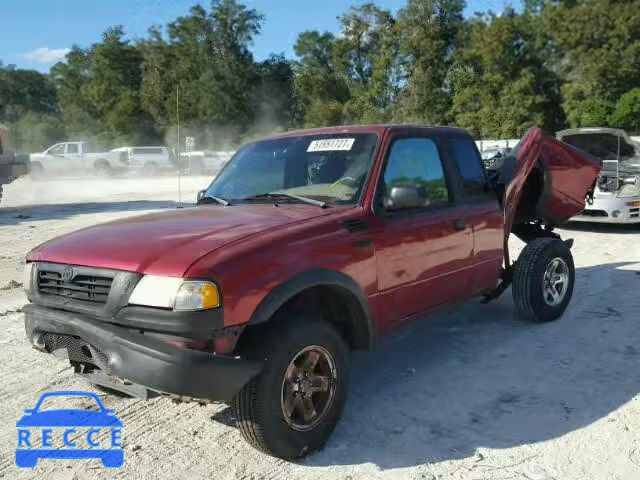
{"x": 168, "y": 243}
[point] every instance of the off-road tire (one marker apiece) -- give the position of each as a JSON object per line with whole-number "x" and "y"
{"x": 528, "y": 280}
{"x": 257, "y": 406}
{"x": 102, "y": 168}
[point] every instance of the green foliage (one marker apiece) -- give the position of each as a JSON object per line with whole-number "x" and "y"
{"x": 553, "y": 63}
{"x": 501, "y": 84}
{"x": 626, "y": 114}
{"x": 320, "y": 90}
{"x": 366, "y": 55}
{"x": 28, "y": 105}
{"x": 592, "y": 112}
{"x": 99, "y": 91}
{"x": 24, "y": 91}
{"x": 33, "y": 132}
{"x": 428, "y": 31}
{"x": 595, "y": 47}
{"x": 206, "y": 54}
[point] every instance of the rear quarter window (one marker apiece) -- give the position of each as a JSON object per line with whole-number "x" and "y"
{"x": 469, "y": 163}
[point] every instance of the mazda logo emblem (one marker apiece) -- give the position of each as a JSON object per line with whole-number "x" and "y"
{"x": 67, "y": 274}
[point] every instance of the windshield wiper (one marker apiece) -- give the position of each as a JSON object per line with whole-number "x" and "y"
{"x": 220, "y": 200}
{"x": 309, "y": 201}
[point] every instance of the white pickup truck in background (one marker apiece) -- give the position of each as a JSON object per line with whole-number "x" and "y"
{"x": 149, "y": 161}
{"x": 72, "y": 158}
{"x": 205, "y": 161}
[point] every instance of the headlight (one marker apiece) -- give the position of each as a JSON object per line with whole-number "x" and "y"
{"x": 196, "y": 295}
{"x": 175, "y": 293}
{"x": 26, "y": 278}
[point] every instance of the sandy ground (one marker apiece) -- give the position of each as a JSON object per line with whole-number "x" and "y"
{"x": 468, "y": 394}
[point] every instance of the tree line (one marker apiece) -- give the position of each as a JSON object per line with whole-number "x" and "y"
{"x": 552, "y": 63}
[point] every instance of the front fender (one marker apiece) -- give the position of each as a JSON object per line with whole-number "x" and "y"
{"x": 314, "y": 278}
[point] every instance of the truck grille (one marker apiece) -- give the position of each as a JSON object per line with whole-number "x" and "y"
{"x": 594, "y": 213}
{"x": 89, "y": 288}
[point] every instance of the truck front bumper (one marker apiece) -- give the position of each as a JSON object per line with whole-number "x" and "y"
{"x": 611, "y": 209}
{"x": 137, "y": 358}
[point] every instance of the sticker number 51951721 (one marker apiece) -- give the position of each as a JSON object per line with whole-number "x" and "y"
{"x": 331, "y": 145}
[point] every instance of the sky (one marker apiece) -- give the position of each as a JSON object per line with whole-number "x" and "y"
{"x": 37, "y": 33}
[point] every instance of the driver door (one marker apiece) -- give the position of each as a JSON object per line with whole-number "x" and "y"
{"x": 55, "y": 160}
{"x": 423, "y": 254}
{"x": 73, "y": 158}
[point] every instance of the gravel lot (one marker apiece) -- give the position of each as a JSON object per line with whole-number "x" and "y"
{"x": 468, "y": 394}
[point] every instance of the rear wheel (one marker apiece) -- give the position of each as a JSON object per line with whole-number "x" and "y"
{"x": 102, "y": 168}
{"x": 292, "y": 407}
{"x": 543, "y": 280}
{"x": 150, "y": 169}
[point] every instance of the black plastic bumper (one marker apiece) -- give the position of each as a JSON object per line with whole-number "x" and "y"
{"x": 145, "y": 359}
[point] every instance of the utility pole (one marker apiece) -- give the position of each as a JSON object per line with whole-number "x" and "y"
{"x": 178, "y": 147}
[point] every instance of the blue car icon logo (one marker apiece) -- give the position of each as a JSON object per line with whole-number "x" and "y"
{"x": 69, "y": 433}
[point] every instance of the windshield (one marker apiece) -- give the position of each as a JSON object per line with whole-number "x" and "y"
{"x": 327, "y": 167}
{"x": 609, "y": 148}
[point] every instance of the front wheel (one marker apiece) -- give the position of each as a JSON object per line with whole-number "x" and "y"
{"x": 292, "y": 407}
{"x": 150, "y": 169}
{"x": 36, "y": 171}
{"x": 543, "y": 280}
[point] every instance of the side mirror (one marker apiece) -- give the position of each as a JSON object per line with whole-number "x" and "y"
{"x": 405, "y": 196}
{"x": 200, "y": 195}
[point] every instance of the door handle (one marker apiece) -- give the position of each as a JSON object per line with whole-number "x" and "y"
{"x": 459, "y": 224}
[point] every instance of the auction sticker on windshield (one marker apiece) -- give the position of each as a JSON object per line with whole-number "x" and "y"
{"x": 331, "y": 145}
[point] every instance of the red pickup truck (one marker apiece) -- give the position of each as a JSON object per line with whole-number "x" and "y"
{"x": 307, "y": 245}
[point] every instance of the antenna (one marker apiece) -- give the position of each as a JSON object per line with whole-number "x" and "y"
{"x": 178, "y": 147}
{"x": 618, "y": 165}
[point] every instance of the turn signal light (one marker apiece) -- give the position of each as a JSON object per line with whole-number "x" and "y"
{"x": 633, "y": 204}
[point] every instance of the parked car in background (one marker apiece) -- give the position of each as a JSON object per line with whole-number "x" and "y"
{"x": 149, "y": 160}
{"x": 12, "y": 165}
{"x": 205, "y": 161}
{"x": 493, "y": 157}
{"x": 616, "y": 194}
{"x": 72, "y": 158}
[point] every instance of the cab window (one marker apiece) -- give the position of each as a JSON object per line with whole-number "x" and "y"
{"x": 415, "y": 162}
{"x": 469, "y": 164}
{"x": 57, "y": 149}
